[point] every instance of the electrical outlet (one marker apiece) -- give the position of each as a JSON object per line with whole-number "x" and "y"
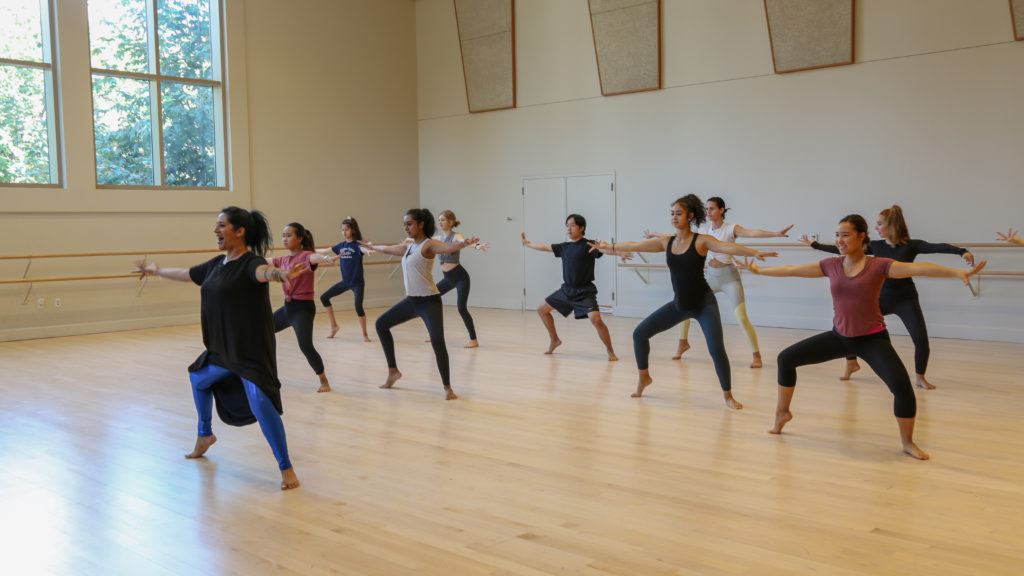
{"x": 57, "y": 302}
{"x": 40, "y": 303}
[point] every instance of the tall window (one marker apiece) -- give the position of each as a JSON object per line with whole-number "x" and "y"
{"x": 28, "y": 117}
{"x": 157, "y": 92}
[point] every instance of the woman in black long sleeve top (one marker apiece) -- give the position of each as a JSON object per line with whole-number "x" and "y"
{"x": 899, "y": 295}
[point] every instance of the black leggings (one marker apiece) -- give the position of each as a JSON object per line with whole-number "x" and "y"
{"x": 299, "y": 315}
{"x": 908, "y": 309}
{"x": 669, "y": 315}
{"x": 875, "y": 349}
{"x": 458, "y": 278}
{"x": 339, "y": 289}
{"x": 429, "y": 309}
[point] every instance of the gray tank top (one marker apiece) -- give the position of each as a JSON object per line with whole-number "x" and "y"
{"x": 451, "y": 257}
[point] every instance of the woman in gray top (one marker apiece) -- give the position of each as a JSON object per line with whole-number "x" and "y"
{"x": 455, "y": 276}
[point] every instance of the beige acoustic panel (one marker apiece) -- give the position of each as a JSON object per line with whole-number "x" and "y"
{"x": 808, "y": 34}
{"x": 487, "y": 39}
{"x": 627, "y": 40}
{"x": 1017, "y": 15}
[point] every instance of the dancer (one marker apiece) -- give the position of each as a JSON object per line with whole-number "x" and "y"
{"x": 1011, "y": 237}
{"x": 238, "y": 369}
{"x": 422, "y": 297}
{"x": 899, "y": 295}
{"x": 721, "y": 274}
{"x": 350, "y": 254}
{"x": 858, "y": 327}
{"x": 685, "y": 253}
{"x": 299, "y": 311}
{"x": 578, "y": 293}
{"x": 455, "y": 276}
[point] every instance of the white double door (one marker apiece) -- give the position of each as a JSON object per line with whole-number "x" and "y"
{"x": 547, "y": 202}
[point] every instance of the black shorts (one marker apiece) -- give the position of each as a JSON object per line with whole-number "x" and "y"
{"x": 582, "y": 301}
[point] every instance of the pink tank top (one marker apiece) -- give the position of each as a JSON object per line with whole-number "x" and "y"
{"x": 855, "y": 299}
{"x": 300, "y": 287}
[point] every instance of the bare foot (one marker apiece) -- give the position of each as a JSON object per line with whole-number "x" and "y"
{"x": 203, "y": 444}
{"x": 851, "y": 367}
{"x": 288, "y": 479}
{"x": 612, "y": 357}
{"x": 393, "y": 376}
{"x": 334, "y": 330}
{"x": 683, "y": 347}
{"x": 325, "y": 387}
{"x": 449, "y": 394}
{"x": 554, "y": 344}
{"x": 643, "y": 382}
{"x": 912, "y": 449}
{"x": 757, "y": 361}
{"x": 366, "y": 338}
{"x": 922, "y": 383}
{"x": 732, "y": 402}
{"x": 781, "y": 418}
{"x": 472, "y": 344}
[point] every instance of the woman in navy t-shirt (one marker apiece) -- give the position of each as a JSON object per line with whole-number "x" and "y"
{"x": 350, "y": 257}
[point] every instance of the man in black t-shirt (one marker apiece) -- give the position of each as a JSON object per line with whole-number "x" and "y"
{"x": 578, "y": 293}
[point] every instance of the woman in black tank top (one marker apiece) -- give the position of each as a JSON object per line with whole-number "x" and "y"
{"x": 685, "y": 254}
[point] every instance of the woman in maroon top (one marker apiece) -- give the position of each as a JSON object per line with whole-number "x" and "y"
{"x": 299, "y": 310}
{"x": 858, "y": 328}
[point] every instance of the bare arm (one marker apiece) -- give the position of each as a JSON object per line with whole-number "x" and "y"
{"x": 1012, "y": 237}
{"x": 393, "y": 249}
{"x": 731, "y": 248}
{"x": 535, "y": 245}
{"x": 178, "y": 274}
{"x": 432, "y": 247}
{"x": 908, "y": 269}
{"x": 657, "y": 244}
{"x": 742, "y": 232}
{"x": 648, "y": 234}
{"x": 268, "y": 273}
{"x": 812, "y": 270}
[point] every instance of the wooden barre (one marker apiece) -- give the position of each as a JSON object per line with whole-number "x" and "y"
{"x": 136, "y": 253}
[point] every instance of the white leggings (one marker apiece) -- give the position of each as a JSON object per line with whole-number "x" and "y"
{"x": 727, "y": 281}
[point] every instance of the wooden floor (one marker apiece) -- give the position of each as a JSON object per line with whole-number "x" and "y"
{"x": 544, "y": 465}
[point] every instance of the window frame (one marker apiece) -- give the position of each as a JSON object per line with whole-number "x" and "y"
{"x": 218, "y": 17}
{"x": 51, "y": 95}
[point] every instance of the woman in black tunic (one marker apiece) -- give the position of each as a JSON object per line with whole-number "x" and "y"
{"x": 238, "y": 369}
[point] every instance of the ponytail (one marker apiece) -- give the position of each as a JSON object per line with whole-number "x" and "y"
{"x": 354, "y": 227}
{"x": 424, "y": 217}
{"x": 692, "y": 204}
{"x": 896, "y": 226}
{"x": 257, "y": 230}
{"x": 305, "y": 235}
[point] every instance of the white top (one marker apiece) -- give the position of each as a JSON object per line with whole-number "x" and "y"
{"x": 727, "y": 233}
{"x": 418, "y": 272}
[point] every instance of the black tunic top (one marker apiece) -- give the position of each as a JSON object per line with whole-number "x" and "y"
{"x": 687, "y": 272}
{"x": 577, "y": 264}
{"x": 898, "y": 287}
{"x": 238, "y": 333}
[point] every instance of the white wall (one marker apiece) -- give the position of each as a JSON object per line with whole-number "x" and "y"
{"x": 322, "y": 101}
{"x": 929, "y": 117}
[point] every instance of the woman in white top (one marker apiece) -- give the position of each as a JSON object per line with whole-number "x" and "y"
{"x": 722, "y": 275}
{"x": 422, "y": 296}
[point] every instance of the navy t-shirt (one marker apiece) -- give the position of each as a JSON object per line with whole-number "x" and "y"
{"x": 351, "y": 262}
{"x": 577, "y": 262}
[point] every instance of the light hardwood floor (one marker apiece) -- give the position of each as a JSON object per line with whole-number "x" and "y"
{"x": 544, "y": 465}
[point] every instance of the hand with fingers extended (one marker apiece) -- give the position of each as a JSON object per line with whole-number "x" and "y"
{"x": 746, "y": 264}
{"x": 482, "y": 246}
{"x": 965, "y": 275}
{"x": 784, "y": 233}
{"x": 1012, "y": 237}
{"x": 599, "y": 246}
{"x": 805, "y": 239}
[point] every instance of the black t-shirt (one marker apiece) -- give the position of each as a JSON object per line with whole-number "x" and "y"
{"x": 238, "y": 331}
{"x": 906, "y": 252}
{"x": 577, "y": 263}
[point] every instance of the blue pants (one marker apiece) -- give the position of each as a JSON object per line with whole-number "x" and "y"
{"x": 261, "y": 406}
{"x": 668, "y": 316}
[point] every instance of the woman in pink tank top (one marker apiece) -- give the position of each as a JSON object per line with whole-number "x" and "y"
{"x": 858, "y": 327}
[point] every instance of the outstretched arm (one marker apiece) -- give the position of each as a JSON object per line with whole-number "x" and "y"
{"x": 432, "y": 247}
{"x": 742, "y": 232}
{"x": 715, "y": 245}
{"x": 393, "y": 249}
{"x": 535, "y": 245}
{"x": 657, "y": 244}
{"x": 178, "y": 274}
{"x": 648, "y": 234}
{"x": 812, "y": 270}
{"x": 268, "y": 273}
{"x": 1012, "y": 237}
{"x": 830, "y": 248}
{"x": 908, "y": 269}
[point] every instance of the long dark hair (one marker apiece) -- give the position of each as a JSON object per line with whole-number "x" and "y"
{"x": 423, "y": 216}
{"x": 304, "y": 234}
{"x": 257, "y": 230}
{"x": 895, "y": 225}
{"x": 692, "y": 204}
{"x": 860, "y": 225}
{"x": 354, "y": 227}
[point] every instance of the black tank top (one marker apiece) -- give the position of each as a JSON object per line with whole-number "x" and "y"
{"x": 687, "y": 271}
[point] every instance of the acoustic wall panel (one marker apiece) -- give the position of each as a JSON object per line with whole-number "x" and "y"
{"x": 487, "y": 40}
{"x": 1017, "y": 16}
{"x": 806, "y": 34}
{"x": 627, "y": 41}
